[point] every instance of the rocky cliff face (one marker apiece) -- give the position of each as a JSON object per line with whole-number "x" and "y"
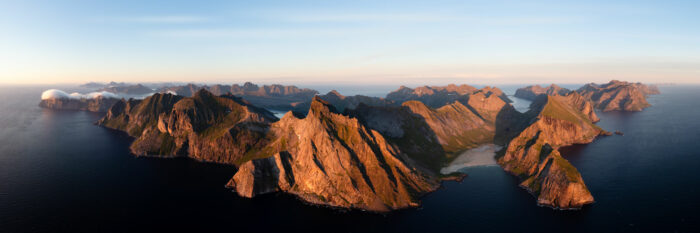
{"x": 205, "y": 127}
{"x": 618, "y": 95}
{"x": 533, "y": 155}
{"x": 98, "y": 104}
{"x": 531, "y": 92}
{"x": 331, "y": 159}
{"x": 437, "y": 96}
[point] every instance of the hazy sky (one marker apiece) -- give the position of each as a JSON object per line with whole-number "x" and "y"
{"x": 357, "y": 42}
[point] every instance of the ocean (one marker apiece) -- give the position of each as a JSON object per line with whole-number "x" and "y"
{"x": 61, "y": 173}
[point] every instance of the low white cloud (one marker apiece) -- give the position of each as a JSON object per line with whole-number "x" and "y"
{"x": 59, "y": 94}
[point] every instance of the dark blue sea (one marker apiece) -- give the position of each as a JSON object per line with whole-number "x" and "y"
{"x": 61, "y": 173}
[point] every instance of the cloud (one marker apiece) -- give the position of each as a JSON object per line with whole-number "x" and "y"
{"x": 166, "y": 19}
{"x": 59, "y": 94}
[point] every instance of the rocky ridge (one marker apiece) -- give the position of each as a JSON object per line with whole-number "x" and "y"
{"x": 533, "y": 156}
{"x": 531, "y": 92}
{"x": 436, "y": 96}
{"x": 331, "y": 159}
{"x": 618, "y": 95}
{"x": 205, "y": 127}
{"x": 268, "y": 96}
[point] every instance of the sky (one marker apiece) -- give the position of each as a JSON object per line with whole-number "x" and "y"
{"x": 349, "y": 42}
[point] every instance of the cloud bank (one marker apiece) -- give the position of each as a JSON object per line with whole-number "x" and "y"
{"x": 59, "y": 94}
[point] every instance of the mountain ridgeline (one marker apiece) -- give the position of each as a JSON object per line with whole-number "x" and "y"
{"x": 354, "y": 159}
{"x": 613, "y": 96}
{"x": 377, "y": 154}
{"x": 268, "y": 96}
{"x": 205, "y": 127}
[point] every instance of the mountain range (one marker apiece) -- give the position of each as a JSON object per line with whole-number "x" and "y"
{"x": 376, "y": 154}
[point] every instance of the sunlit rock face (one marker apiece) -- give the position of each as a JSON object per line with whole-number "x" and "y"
{"x": 534, "y": 158}
{"x": 221, "y": 129}
{"x": 331, "y": 159}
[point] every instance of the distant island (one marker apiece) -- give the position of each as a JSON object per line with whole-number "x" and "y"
{"x": 361, "y": 152}
{"x": 613, "y": 96}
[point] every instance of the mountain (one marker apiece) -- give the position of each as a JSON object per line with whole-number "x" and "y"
{"x": 99, "y": 104}
{"x": 205, "y": 127}
{"x": 376, "y": 155}
{"x": 331, "y": 159}
{"x": 93, "y": 85}
{"x": 434, "y": 136}
{"x": 436, "y": 96}
{"x": 618, "y": 95}
{"x": 137, "y": 89}
{"x": 268, "y": 96}
{"x": 341, "y": 102}
{"x": 533, "y": 156}
{"x": 531, "y": 92}
{"x": 98, "y": 85}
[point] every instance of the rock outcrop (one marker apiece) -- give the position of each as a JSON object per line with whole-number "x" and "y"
{"x": 533, "y": 156}
{"x": 618, "y": 95}
{"x": 205, "y": 127}
{"x": 437, "y": 96}
{"x": 332, "y": 159}
{"x": 531, "y": 92}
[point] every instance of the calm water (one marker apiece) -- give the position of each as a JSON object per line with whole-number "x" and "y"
{"x": 61, "y": 173}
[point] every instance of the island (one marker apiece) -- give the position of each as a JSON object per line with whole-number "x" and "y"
{"x": 360, "y": 152}
{"x": 93, "y": 102}
{"x": 618, "y": 95}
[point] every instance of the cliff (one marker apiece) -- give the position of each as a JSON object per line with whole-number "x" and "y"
{"x": 618, "y": 95}
{"x": 205, "y": 127}
{"x": 331, "y": 159}
{"x": 531, "y": 92}
{"x": 533, "y": 155}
